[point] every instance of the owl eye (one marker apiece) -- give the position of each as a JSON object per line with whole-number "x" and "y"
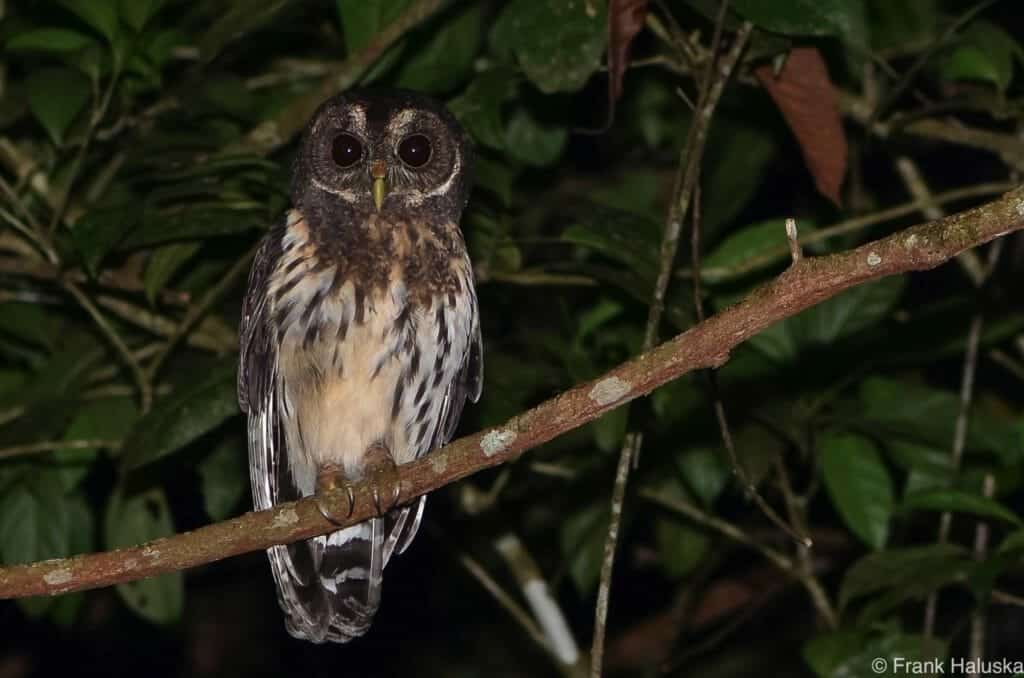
{"x": 414, "y": 150}
{"x": 346, "y": 150}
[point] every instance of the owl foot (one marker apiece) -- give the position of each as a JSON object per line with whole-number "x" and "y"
{"x": 385, "y": 483}
{"x": 329, "y": 479}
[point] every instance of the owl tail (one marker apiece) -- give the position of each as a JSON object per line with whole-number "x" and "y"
{"x": 329, "y": 587}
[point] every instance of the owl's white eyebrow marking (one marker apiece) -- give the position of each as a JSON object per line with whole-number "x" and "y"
{"x": 357, "y": 119}
{"x": 446, "y": 186}
{"x": 402, "y": 119}
{"x": 346, "y": 193}
{"x": 417, "y": 197}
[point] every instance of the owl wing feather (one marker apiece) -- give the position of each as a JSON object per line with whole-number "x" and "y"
{"x": 324, "y": 597}
{"x": 467, "y": 385}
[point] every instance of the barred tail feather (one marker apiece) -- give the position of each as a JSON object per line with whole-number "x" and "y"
{"x": 329, "y": 587}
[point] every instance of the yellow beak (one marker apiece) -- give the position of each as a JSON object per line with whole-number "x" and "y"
{"x": 379, "y": 170}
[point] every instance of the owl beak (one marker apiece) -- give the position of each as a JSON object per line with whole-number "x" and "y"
{"x": 378, "y": 170}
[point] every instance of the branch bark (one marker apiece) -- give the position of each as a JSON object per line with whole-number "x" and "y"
{"x": 706, "y": 345}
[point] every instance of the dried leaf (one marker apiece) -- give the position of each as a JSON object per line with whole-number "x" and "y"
{"x": 809, "y": 103}
{"x": 625, "y": 19}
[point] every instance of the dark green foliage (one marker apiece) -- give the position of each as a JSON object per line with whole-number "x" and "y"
{"x": 141, "y": 160}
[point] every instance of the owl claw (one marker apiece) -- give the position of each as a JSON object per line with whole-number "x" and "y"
{"x": 329, "y": 479}
{"x": 385, "y": 484}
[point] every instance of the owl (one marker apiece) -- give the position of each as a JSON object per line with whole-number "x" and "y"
{"x": 360, "y": 340}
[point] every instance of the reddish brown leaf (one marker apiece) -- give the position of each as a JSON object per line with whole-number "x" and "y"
{"x": 625, "y": 19}
{"x": 810, "y": 105}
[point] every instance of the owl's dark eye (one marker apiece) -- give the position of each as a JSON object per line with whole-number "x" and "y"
{"x": 346, "y": 150}
{"x": 414, "y": 150}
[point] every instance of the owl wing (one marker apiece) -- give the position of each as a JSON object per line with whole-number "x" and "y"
{"x": 402, "y": 525}
{"x": 310, "y": 584}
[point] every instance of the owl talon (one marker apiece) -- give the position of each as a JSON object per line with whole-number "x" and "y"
{"x": 384, "y": 480}
{"x": 328, "y": 480}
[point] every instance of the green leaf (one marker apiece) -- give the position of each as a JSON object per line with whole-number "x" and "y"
{"x": 56, "y": 96}
{"x": 361, "y": 20}
{"x": 101, "y": 230}
{"x": 618, "y": 234}
{"x": 924, "y": 458}
{"x": 137, "y": 13}
{"x": 242, "y": 18}
{"x": 107, "y": 419}
{"x": 705, "y": 473}
{"x": 837, "y": 318}
{"x": 49, "y": 40}
{"x": 136, "y": 519}
{"x": 843, "y": 18}
{"x": 960, "y": 502}
{"x": 164, "y": 263}
{"x": 30, "y": 323}
{"x": 898, "y": 568}
{"x": 984, "y": 52}
{"x": 763, "y": 243}
{"x": 859, "y": 484}
{"x": 928, "y": 416}
{"x": 739, "y": 154}
{"x": 558, "y": 43}
{"x": 1013, "y": 542}
{"x": 610, "y": 429}
{"x": 192, "y": 223}
{"x": 34, "y": 519}
{"x": 81, "y": 539}
{"x": 852, "y": 311}
{"x": 100, "y": 14}
{"x": 582, "y": 541}
{"x": 533, "y": 142}
{"x": 826, "y": 652}
{"x": 680, "y": 547}
{"x": 223, "y": 478}
{"x": 446, "y": 59}
{"x": 862, "y": 653}
{"x": 188, "y": 413}
{"x": 479, "y": 108}
{"x": 896, "y": 24}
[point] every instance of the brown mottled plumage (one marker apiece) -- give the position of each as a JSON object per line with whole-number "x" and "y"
{"x": 360, "y": 340}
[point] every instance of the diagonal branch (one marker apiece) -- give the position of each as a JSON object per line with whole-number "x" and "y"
{"x": 804, "y": 284}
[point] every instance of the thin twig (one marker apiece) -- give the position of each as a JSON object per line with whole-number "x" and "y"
{"x": 957, "y": 452}
{"x": 915, "y": 182}
{"x": 712, "y": 86}
{"x": 922, "y": 60}
{"x": 718, "y": 405}
{"x": 849, "y": 226}
{"x": 47, "y": 445}
{"x": 543, "y": 604}
{"x": 738, "y": 535}
{"x": 514, "y": 609}
{"x": 981, "y": 535}
{"x": 141, "y": 380}
{"x": 274, "y": 133}
{"x": 723, "y": 527}
{"x": 196, "y": 311}
{"x": 797, "y": 517}
{"x": 98, "y": 113}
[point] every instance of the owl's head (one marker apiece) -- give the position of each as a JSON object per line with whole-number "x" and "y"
{"x": 385, "y": 151}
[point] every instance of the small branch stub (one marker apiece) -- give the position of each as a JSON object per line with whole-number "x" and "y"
{"x": 795, "y": 251}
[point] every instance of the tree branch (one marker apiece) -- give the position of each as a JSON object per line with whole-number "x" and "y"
{"x": 806, "y": 283}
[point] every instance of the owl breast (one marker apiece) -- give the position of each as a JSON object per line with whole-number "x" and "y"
{"x": 365, "y": 359}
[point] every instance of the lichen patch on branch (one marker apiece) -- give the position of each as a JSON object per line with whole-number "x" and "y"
{"x": 609, "y": 390}
{"x": 497, "y": 441}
